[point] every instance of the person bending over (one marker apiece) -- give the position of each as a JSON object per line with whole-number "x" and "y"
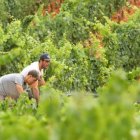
{"x": 12, "y": 85}
{"x": 39, "y": 66}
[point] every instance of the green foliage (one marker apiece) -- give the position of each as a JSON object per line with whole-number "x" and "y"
{"x": 72, "y": 66}
{"x": 128, "y": 35}
{"x": 20, "y": 107}
{"x": 134, "y": 74}
{"x": 57, "y": 114}
{"x": 17, "y": 9}
{"x": 120, "y": 95}
{"x": 136, "y": 17}
{"x": 123, "y": 41}
{"x": 64, "y": 24}
{"x": 3, "y": 12}
{"x": 15, "y": 47}
{"x": 92, "y": 8}
{"x": 74, "y": 21}
{"x": 112, "y": 115}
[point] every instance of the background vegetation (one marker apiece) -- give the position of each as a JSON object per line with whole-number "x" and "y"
{"x": 91, "y": 55}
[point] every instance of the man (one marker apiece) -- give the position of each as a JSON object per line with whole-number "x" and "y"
{"x": 12, "y": 85}
{"x": 39, "y": 66}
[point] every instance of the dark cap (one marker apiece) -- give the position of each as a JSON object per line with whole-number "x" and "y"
{"x": 45, "y": 56}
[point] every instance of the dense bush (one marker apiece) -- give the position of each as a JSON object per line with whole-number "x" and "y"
{"x": 18, "y": 9}
{"x": 121, "y": 42}
{"x": 68, "y": 108}
{"x": 72, "y": 66}
{"x": 114, "y": 115}
{"x": 75, "y": 19}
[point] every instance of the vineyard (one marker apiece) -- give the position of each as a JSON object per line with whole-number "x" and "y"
{"x": 92, "y": 86}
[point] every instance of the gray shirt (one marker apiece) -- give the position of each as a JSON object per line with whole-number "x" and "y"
{"x": 8, "y": 85}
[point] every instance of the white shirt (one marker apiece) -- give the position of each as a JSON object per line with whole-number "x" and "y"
{"x": 32, "y": 66}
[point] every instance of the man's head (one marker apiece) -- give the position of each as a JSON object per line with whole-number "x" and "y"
{"x": 32, "y": 77}
{"x": 44, "y": 61}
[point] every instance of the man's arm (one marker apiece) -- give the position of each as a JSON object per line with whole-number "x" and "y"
{"x": 19, "y": 88}
{"x": 35, "y": 91}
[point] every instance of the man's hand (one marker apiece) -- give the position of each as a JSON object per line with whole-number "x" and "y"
{"x": 34, "y": 85}
{"x": 41, "y": 81}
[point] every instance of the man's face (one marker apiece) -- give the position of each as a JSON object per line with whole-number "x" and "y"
{"x": 31, "y": 80}
{"x": 45, "y": 64}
